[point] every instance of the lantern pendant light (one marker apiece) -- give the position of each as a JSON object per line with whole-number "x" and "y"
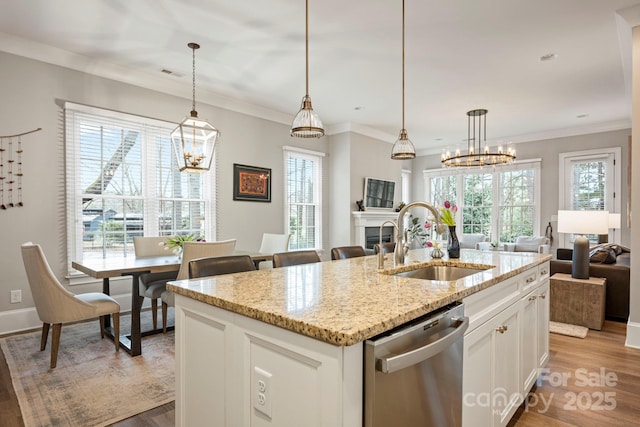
{"x": 403, "y": 148}
{"x": 307, "y": 123}
{"x": 194, "y": 140}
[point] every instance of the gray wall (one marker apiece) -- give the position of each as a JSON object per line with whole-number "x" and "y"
{"x": 549, "y": 151}
{"x": 32, "y": 95}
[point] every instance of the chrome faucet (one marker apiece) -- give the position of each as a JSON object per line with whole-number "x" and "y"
{"x": 381, "y": 252}
{"x": 402, "y": 245}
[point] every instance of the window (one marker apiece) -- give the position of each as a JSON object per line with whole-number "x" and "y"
{"x": 590, "y": 180}
{"x": 303, "y": 201}
{"x": 405, "y": 186}
{"x": 123, "y": 181}
{"x": 502, "y": 202}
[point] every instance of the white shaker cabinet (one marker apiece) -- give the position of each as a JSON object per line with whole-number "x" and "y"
{"x": 505, "y": 346}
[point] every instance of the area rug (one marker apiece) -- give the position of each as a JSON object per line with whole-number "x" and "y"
{"x": 567, "y": 329}
{"x": 92, "y": 385}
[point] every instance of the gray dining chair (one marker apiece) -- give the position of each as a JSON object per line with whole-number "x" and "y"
{"x": 344, "y": 252}
{"x": 191, "y": 251}
{"x": 214, "y": 266}
{"x": 386, "y": 247}
{"x": 285, "y": 259}
{"x": 55, "y": 305}
{"x": 152, "y": 285}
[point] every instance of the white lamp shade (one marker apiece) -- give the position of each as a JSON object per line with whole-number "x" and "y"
{"x": 583, "y": 222}
{"x": 614, "y": 220}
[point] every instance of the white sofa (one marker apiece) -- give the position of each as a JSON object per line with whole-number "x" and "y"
{"x": 471, "y": 241}
{"x": 539, "y": 244}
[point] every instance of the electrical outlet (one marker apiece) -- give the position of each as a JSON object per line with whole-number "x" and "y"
{"x": 262, "y": 394}
{"x": 16, "y": 296}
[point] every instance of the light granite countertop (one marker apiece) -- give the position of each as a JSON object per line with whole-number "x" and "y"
{"x": 348, "y": 301}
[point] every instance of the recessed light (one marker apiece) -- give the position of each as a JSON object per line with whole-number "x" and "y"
{"x": 548, "y": 57}
{"x": 582, "y": 116}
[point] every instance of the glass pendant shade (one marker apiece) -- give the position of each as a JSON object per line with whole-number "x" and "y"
{"x": 307, "y": 123}
{"x": 403, "y": 148}
{"x": 194, "y": 141}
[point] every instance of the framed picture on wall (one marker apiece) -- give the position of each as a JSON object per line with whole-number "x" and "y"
{"x": 251, "y": 183}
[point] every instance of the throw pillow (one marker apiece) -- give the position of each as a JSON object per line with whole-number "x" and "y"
{"x": 602, "y": 256}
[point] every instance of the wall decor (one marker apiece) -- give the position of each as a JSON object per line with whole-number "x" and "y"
{"x": 251, "y": 183}
{"x": 11, "y": 169}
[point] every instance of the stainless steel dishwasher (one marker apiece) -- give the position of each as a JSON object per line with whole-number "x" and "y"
{"x": 413, "y": 374}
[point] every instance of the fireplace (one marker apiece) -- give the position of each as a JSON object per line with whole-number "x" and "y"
{"x": 372, "y": 235}
{"x": 367, "y": 224}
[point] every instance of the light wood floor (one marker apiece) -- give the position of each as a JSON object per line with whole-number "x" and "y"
{"x": 571, "y": 404}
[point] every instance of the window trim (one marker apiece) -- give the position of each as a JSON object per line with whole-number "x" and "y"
{"x": 72, "y": 161}
{"x": 316, "y": 156}
{"x": 616, "y": 199}
{"x": 534, "y": 163}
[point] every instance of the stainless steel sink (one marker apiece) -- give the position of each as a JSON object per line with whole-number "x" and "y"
{"x": 440, "y": 272}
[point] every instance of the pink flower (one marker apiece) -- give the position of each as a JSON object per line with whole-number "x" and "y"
{"x": 447, "y": 204}
{"x": 454, "y": 209}
{"x": 429, "y": 244}
{"x": 427, "y": 225}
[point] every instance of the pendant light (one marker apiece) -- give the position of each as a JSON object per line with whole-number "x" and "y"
{"x": 307, "y": 123}
{"x": 478, "y": 152}
{"x": 403, "y": 148}
{"x": 194, "y": 140}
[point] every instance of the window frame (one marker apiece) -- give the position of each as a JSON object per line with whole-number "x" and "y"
{"x": 496, "y": 172}
{"x": 149, "y": 170}
{"x": 316, "y": 157}
{"x": 613, "y": 200}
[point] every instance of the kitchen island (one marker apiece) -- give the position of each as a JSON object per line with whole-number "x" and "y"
{"x": 284, "y": 346}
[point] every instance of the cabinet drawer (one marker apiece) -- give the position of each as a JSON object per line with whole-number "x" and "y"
{"x": 485, "y": 304}
{"x": 529, "y": 280}
{"x": 544, "y": 271}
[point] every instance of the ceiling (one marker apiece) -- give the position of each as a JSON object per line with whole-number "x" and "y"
{"x": 460, "y": 55}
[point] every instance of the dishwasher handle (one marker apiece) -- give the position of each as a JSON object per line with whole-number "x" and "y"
{"x": 396, "y": 362}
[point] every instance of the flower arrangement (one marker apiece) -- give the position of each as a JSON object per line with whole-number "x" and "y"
{"x": 436, "y": 252}
{"x": 176, "y": 242}
{"x": 447, "y": 213}
{"x": 417, "y": 231}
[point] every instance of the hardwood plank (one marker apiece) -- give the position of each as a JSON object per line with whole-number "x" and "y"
{"x": 600, "y": 349}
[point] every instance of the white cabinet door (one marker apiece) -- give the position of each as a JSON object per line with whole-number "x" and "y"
{"x": 543, "y": 323}
{"x": 529, "y": 339}
{"x": 506, "y": 365}
{"x": 491, "y": 370}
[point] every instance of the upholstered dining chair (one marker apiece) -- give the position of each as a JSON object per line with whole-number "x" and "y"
{"x": 271, "y": 244}
{"x": 152, "y": 285}
{"x": 55, "y": 305}
{"x": 214, "y": 266}
{"x": 344, "y": 252}
{"x": 285, "y": 259}
{"x": 386, "y": 247}
{"x": 191, "y": 251}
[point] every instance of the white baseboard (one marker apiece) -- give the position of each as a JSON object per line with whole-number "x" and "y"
{"x": 633, "y": 335}
{"x": 24, "y": 319}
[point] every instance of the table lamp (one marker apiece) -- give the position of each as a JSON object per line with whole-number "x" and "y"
{"x": 582, "y": 222}
{"x": 614, "y": 223}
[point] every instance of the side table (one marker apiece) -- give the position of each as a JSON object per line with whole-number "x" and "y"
{"x": 577, "y": 301}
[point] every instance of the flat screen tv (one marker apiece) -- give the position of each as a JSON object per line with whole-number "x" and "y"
{"x": 378, "y": 193}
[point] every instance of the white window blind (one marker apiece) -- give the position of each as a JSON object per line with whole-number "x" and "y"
{"x": 123, "y": 181}
{"x": 303, "y": 201}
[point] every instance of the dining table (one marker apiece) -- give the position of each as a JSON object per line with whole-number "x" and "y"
{"x": 116, "y": 266}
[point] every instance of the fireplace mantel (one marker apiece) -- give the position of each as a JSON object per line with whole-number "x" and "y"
{"x": 371, "y": 218}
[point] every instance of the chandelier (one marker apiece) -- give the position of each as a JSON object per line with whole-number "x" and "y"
{"x": 194, "y": 140}
{"x": 478, "y": 152}
{"x": 403, "y": 148}
{"x": 307, "y": 123}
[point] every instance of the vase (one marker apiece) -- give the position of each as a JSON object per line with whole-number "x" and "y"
{"x": 436, "y": 253}
{"x": 453, "y": 244}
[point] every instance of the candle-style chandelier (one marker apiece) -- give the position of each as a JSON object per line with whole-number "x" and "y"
{"x": 478, "y": 152}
